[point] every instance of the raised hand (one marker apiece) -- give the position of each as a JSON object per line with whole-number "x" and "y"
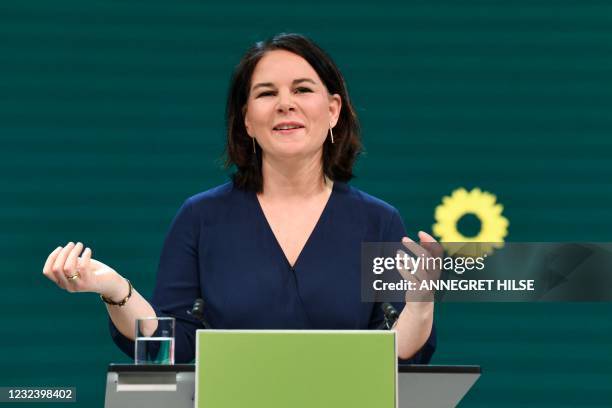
{"x": 427, "y": 248}
{"x": 74, "y": 270}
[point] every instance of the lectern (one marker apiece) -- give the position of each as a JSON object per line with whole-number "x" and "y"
{"x": 420, "y": 386}
{"x": 301, "y": 369}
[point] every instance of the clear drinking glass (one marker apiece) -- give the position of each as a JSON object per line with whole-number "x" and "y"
{"x": 154, "y": 340}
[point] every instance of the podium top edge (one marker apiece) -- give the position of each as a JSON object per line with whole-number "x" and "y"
{"x": 295, "y": 331}
{"x": 401, "y": 368}
{"x": 154, "y": 368}
{"x": 440, "y": 369}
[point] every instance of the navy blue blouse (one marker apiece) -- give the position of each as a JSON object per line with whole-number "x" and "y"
{"x": 221, "y": 248}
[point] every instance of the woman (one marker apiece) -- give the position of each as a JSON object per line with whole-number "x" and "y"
{"x": 279, "y": 246}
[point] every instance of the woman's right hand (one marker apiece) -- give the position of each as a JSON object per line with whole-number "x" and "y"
{"x": 88, "y": 274}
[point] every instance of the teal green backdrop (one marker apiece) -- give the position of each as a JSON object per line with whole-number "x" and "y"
{"x": 111, "y": 114}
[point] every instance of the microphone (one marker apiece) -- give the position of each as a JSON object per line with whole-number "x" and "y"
{"x": 390, "y": 313}
{"x": 197, "y": 311}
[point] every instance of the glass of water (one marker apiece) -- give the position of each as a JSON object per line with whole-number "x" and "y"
{"x": 154, "y": 340}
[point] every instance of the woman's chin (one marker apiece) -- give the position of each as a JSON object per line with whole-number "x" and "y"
{"x": 291, "y": 150}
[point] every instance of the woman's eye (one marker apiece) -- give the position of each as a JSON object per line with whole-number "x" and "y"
{"x": 302, "y": 90}
{"x": 265, "y": 93}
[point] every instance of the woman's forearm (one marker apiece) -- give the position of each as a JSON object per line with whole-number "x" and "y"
{"x": 413, "y": 328}
{"x": 124, "y": 317}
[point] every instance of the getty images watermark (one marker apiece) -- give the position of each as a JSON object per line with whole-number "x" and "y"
{"x": 527, "y": 271}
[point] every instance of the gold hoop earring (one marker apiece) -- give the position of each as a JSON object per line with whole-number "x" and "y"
{"x": 331, "y": 133}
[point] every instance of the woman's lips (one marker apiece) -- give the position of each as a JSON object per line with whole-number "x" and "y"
{"x": 287, "y": 127}
{"x": 287, "y": 131}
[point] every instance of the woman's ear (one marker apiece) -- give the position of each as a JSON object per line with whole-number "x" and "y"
{"x": 247, "y": 124}
{"x": 335, "y": 105}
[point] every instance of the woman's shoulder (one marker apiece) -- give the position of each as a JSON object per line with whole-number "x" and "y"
{"x": 218, "y": 197}
{"x": 215, "y": 205}
{"x": 377, "y": 219}
{"x": 217, "y": 193}
{"x": 366, "y": 201}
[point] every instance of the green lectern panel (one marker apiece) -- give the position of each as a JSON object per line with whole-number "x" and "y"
{"x": 274, "y": 369}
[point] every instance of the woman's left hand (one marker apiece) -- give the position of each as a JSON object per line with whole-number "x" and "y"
{"x": 420, "y": 300}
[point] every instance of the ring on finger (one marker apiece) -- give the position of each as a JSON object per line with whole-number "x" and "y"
{"x": 74, "y": 277}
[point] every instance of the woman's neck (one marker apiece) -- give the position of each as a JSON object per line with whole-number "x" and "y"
{"x": 295, "y": 179}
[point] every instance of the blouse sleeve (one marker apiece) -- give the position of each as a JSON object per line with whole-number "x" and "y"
{"x": 394, "y": 232}
{"x": 177, "y": 285}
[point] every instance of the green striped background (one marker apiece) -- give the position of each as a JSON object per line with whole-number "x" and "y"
{"x": 111, "y": 114}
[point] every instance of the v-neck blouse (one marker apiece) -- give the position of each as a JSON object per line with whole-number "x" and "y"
{"x": 261, "y": 214}
{"x": 221, "y": 248}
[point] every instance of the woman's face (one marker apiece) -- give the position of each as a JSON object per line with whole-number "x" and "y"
{"x": 289, "y": 110}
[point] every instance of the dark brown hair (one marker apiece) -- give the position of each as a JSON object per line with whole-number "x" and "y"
{"x": 338, "y": 158}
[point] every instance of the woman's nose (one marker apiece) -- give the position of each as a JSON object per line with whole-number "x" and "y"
{"x": 285, "y": 102}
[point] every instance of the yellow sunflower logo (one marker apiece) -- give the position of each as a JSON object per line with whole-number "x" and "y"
{"x": 476, "y": 203}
